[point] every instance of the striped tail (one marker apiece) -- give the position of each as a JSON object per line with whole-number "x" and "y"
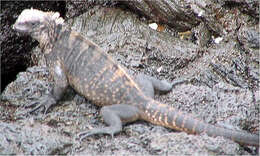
{"x": 164, "y": 115}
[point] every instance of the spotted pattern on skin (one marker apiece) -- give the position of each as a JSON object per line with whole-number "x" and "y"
{"x": 95, "y": 80}
{"x": 166, "y": 115}
{"x": 151, "y": 113}
{"x": 147, "y": 113}
{"x": 174, "y": 119}
{"x": 118, "y": 74}
{"x": 179, "y": 115}
{"x": 94, "y": 59}
{"x": 154, "y": 114}
{"x": 184, "y": 121}
{"x": 130, "y": 81}
{"x": 101, "y": 99}
{"x": 148, "y": 106}
{"x": 125, "y": 93}
{"x": 154, "y": 118}
{"x": 75, "y": 80}
{"x": 193, "y": 130}
{"x": 86, "y": 88}
{"x": 161, "y": 114}
{"x": 160, "y": 118}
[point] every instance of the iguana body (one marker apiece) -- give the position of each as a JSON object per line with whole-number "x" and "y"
{"x": 77, "y": 62}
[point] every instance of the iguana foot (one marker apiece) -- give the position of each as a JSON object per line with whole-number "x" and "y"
{"x": 107, "y": 130}
{"x": 149, "y": 85}
{"x": 178, "y": 82}
{"x": 44, "y": 103}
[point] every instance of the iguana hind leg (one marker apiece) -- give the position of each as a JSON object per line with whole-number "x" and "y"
{"x": 114, "y": 116}
{"x": 149, "y": 85}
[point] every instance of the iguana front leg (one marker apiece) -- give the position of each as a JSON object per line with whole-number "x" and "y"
{"x": 60, "y": 85}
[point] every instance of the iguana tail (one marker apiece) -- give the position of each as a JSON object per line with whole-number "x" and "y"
{"x": 170, "y": 117}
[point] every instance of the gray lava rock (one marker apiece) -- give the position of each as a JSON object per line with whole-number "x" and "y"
{"x": 31, "y": 139}
{"x": 222, "y": 88}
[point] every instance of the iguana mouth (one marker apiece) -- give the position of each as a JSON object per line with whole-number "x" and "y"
{"x": 21, "y": 28}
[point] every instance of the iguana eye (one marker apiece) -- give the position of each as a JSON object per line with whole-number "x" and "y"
{"x": 34, "y": 23}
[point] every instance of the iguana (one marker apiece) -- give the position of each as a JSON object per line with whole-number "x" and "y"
{"x": 76, "y": 61}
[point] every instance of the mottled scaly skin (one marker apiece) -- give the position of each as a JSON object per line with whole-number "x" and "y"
{"x": 93, "y": 74}
{"x": 77, "y": 62}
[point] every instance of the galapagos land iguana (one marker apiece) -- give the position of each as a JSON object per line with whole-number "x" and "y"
{"x": 76, "y": 61}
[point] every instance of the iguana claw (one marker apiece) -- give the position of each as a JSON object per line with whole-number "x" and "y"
{"x": 44, "y": 102}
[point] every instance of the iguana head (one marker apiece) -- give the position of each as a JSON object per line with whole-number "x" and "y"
{"x": 38, "y": 24}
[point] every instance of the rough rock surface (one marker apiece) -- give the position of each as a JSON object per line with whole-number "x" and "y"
{"x": 222, "y": 88}
{"x": 183, "y": 15}
{"x": 30, "y": 137}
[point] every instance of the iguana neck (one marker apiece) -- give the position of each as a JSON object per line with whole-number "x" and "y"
{"x": 50, "y": 35}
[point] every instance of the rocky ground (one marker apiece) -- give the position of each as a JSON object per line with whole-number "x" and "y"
{"x": 220, "y": 64}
